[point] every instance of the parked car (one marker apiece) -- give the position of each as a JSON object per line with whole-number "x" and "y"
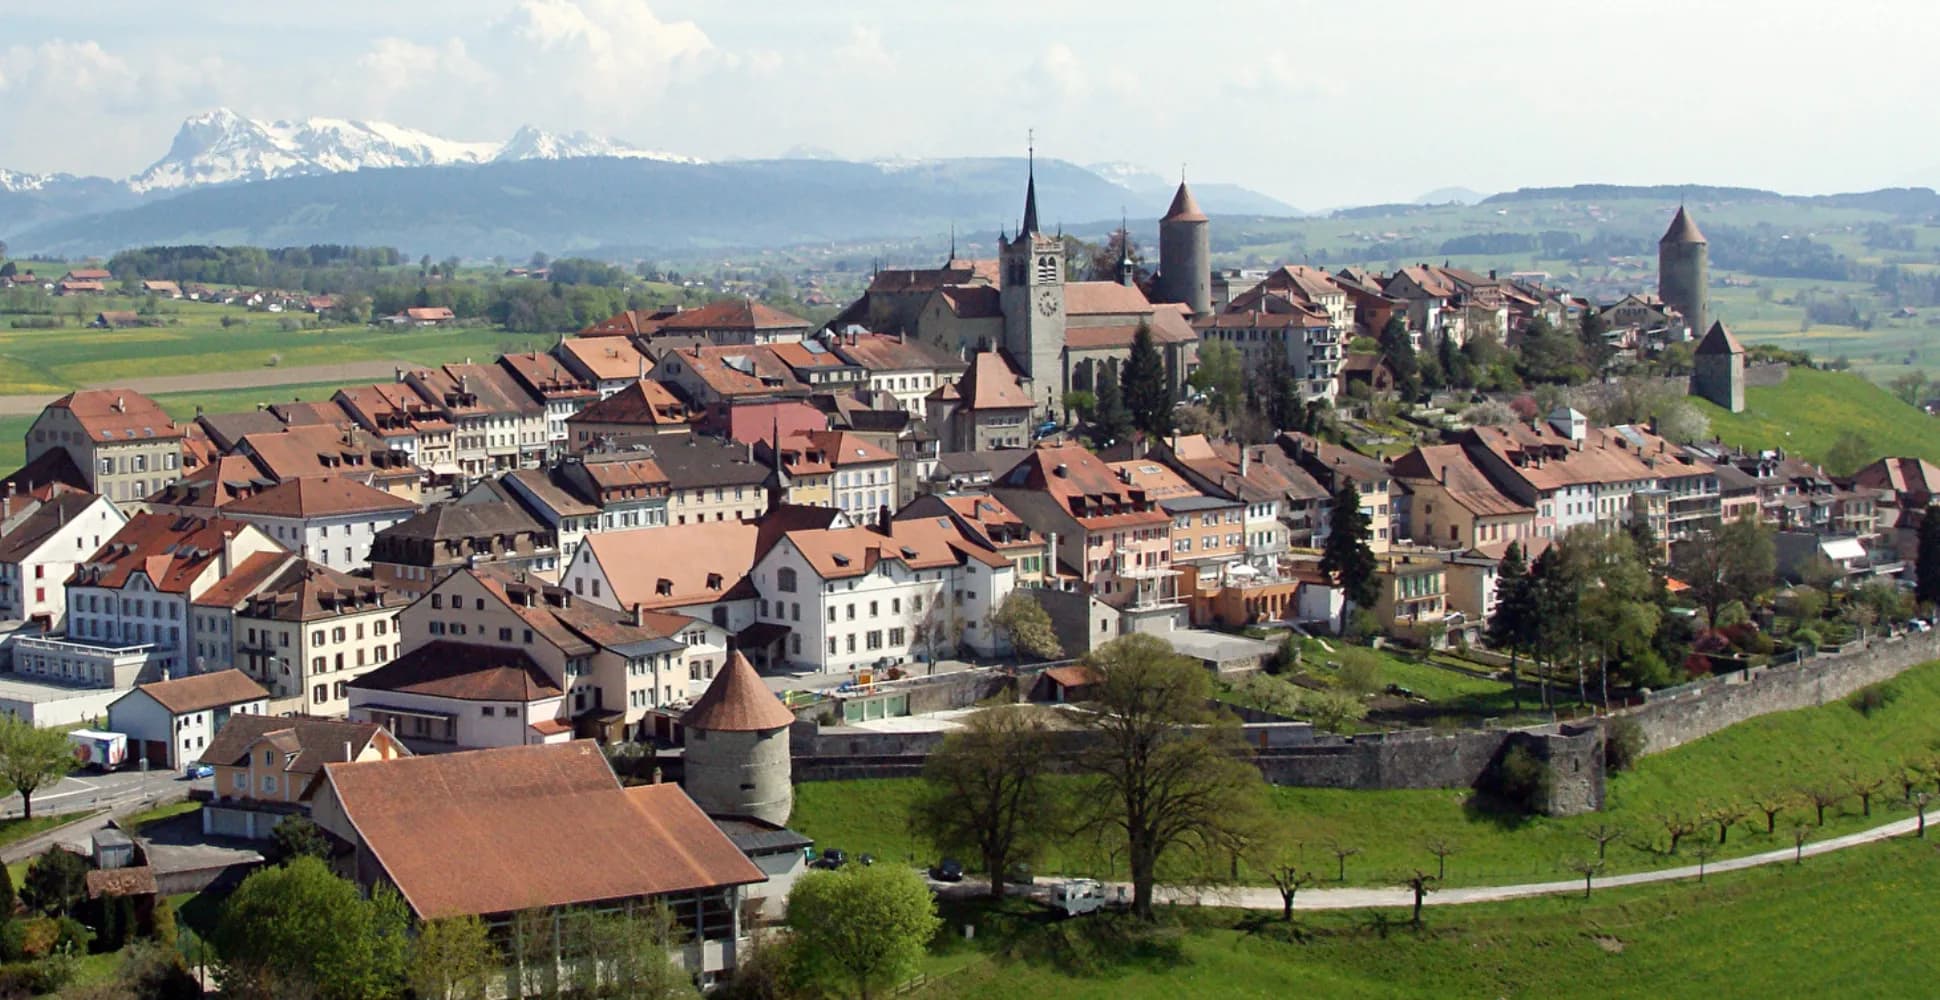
{"x": 865, "y": 860}
{"x": 947, "y": 870}
{"x": 833, "y": 857}
{"x": 194, "y": 771}
{"x": 1019, "y": 873}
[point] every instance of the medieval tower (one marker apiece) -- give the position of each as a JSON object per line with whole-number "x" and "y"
{"x": 1684, "y": 271}
{"x": 1185, "y": 255}
{"x": 1718, "y": 369}
{"x": 738, "y": 761}
{"x": 1031, "y": 289}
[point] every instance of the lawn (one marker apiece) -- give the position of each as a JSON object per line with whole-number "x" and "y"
{"x": 1780, "y": 753}
{"x": 14, "y": 830}
{"x": 1847, "y": 924}
{"x": 1811, "y": 408}
{"x": 134, "y": 822}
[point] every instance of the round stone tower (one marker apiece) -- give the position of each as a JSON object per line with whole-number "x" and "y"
{"x": 738, "y": 762}
{"x": 1185, "y": 255}
{"x": 1684, "y": 271}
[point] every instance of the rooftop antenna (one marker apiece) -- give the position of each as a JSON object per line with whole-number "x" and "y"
{"x": 953, "y": 241}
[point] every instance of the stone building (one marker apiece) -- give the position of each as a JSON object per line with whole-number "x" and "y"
{"x": 738, "y": 761}
{"x": 120, "y": 440}
{"x": 1185, "y": 255}
{"x": 1684, "y": 270}
{"x": 1719, "y": 369}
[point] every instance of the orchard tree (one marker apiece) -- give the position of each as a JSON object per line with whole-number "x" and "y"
{"x": 858, "y": 930}
{"x": 1167, "y": 773}
{"x": 31, "y": 757}
{"x": 985, "y": 790}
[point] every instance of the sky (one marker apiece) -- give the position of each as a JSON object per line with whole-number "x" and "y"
{"x": 1318, "y": 104}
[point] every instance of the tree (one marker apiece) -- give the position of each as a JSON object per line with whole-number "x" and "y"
{"x": 1926, "y": 587}
{"x": 7, "y": 895}
{"x": 1596, "y": 347}
{"x": 1724, "y": 817}
{"x": 1333, "y": 711}
{"x": 1603, "y": 834}
{"x": 1110, "y": 421}
{"x": 1102, "y": 264}
{"x": 1441, "y": 848}
{"x": 1276, "y": 392}
{"x": 1024, "y": 620}
{"x": 1148, "y": 390}
{"x": 1849, "y": 452}
{"x": 1289, "y": 880}
{"x": 1676, "y": 828}
{"x": 452, "y": 959}
{"x": 1734, "y": 562}
{"x": 1588, "y": 869}
{"x": 8, "y": 270}
{"x": 1864, "y": 789}
{"x": 1614, "y": 591}
{"x": 1771, "y": 804}
{"x": 1347, "y": 559}
{"x": 1515, "y": 624}
{"x": 31, "y": 757}
{"x": 298, "y": 837}
{"x": 1823, "y": 797}
{"x": 622, "y": 954}
{"x": 985, "y": 792}
{"x": 1341, "y": 850}
{"x": 1167, "y": 771}
{"x": 1398, "y": 347}
{"x": 1221, "y": 377}
{"x": 1421, "y": 883}
{"x": 55, "y": 882}
{"x": 858, "y": 929}
{"x": 1910, "y": 387}
{"x": 299, "y": 927}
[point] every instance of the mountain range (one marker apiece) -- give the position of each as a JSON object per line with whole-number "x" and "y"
{"x": 231, "y": 179}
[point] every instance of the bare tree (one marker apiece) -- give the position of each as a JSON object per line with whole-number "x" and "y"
{"x": 1724, "y": 817}
{"x": 1703, "y": 852}
{"x": 1421, "y": 883}
{"x": 1588, "y": 869}
{"x": 1800, "y": 834}
{"x": 1441, "y": 848}
{"x": 1341, "y": 852}
{"x": 1865, "y": 788}
{"x": 1603, "y": 834}
{"x": 1823, "y": 797}
{"x": 1920, "y": 800}
{"x": 1771, "y": 804}
{"x": 1289, "y": 880}
{"x": 1677, "y": 828}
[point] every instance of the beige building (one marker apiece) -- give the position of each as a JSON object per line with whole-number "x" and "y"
{"x": 310, "y": 630}
{"x": 120, "y": 440}
{"x": 266, "y": 765}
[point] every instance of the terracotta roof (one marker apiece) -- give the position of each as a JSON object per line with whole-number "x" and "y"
{"x": 138, "y": 880}
{"x": 980, "y": 302}
{"x": 320, "y": 497}
{"x": 992, "y": 383}
{"x": 640, "y": 403}
{"x": 607, "y": 358}
{"x": 296, "y": 452}
{"x": 1682, "y": 229}
{"x": 577, "y": 626}
{"x": 880, "y": 352}
{"x": 463, "y": 671}
{"x": 428, "y": 314}
{"x": 918, "y": 543}
{"x": 298, "y": 413}
{"x": 733, "y": 370}
{"x": 305, "y": 591}
{"x": 434, "y": 823}
{"x": 251, "y": 573}
{"x": 391, "y": 409}
{"x": 1087, "y": 488}
{"x": 1450, "y": 466}
{"x": 630, "y": 323}
{"x": 1547, "y": 460}
{"x": 1088, "y": 298}
{"x": 1184, "y": 207}
{"x": 546, "y": 376}
{"x": 199, "y": 692}
{"x": 1158, "y": 482}
{"x": 215, "y": 485}
{"x": 670, "y": 567}
{"x": 953, "y": 273}
{"x": 738, "y": 702}
{"x": 1076, "y": 675}
{"x": 695, "y": 462}
{"x": 837, "y": 448}
{"x": 1719, "y": 341}
{"x": 315, "y": 741}
{"x": 117, "y": 415}
{"x": 1913, "y": 477}
{"x": 174, "y": 551}
{"x": 732, "y": 314}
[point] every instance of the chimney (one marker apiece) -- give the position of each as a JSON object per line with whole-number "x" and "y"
{"x": 639, "y": 615}
{"x": 882, "y": 519}
{"x": 121, "y": 404}
{"x": 1444, "y": 476}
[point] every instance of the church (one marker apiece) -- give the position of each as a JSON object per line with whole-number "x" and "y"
{"x": 1054, "y": 332}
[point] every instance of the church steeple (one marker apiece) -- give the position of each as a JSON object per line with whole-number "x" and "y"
{"x": 777, "y": 482}
{"x": 1030, "y": 194}
{"x": 1127, "y": 270}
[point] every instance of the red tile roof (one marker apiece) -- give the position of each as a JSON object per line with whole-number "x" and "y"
{"x": 1184, "y": 207}
{"x": 646, "y": 404}
{"x": 200, "y": 692}
{"x": 480, "y": 832}
{"x": 608, "y": 358}
{"x": 117, "y": 415}
{"x": 174, "y": 551}
{"x": 463, "y": 671}
{"x": 320, "y": 497}
{"x": 992, "y": 383}
{"x": 741, "y": 315}
{"x": 738, "y": 702}
{"x": 670, "y": 567}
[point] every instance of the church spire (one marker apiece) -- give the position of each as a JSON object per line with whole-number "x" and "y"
{"x": 1030, "y": 192}
{"x": 777, "y": 481}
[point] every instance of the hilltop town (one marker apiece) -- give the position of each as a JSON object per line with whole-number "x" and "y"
{"x": 670, "y": 589}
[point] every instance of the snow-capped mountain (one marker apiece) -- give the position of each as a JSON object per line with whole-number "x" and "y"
{"x": 1129, "y": 176}
{"x": 19, "y": 183}
{"x": 530, "y": 143}
{"x": 222, "y": 147}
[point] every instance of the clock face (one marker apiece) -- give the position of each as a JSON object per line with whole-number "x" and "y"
{"x": 1047, "y": 303}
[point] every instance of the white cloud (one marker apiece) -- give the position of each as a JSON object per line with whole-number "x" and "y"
{"x": 82, "y": 69}
{"x": 1057, "y": 73}
{"x": 864, "y": 51}
{"x": 605, "y": 51}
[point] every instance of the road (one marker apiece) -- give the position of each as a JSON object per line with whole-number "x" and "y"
{"x": 119, "y": 793}
{"x": 784, "y": 680}
{"x": 260, "y": 378}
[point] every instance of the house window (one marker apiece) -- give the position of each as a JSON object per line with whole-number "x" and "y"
{"x": 785, "y": 579}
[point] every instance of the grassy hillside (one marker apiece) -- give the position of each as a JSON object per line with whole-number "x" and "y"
{"x": 1779, "y": 753}
{"x": 1840, "y": 925}
{"x": 1811, "y": 408}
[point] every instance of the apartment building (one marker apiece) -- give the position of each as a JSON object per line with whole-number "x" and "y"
{"x": 121, "y": 441}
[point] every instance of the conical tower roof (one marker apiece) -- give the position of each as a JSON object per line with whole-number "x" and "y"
{"x": 1030, "y": 199}
{"x": 738, "y": 702}
{"x": 1719, "y": 341}
{"x": 1682, "y": 229}
{"x": 1184, "y": 208}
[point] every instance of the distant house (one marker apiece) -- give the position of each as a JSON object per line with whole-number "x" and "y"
{"x": 116, "y": 319}
{"x": 267, "y": 767}
{"x": 162, "y": 289}
{"x": 169, "y": 723}
{"x": 70, "y": 286}
{"x": 423, "y": 316}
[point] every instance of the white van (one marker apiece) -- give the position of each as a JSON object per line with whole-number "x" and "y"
{"x": 1078, "y": 896}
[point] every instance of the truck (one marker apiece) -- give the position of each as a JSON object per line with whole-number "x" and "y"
{"x": 1078, "y": 896}
{"x": 99, "y": 750}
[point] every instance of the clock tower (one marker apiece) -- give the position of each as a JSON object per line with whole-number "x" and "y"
{"x": 1031, "y": 288}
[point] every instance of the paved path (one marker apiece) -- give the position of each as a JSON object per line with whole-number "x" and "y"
{"x": 1257, "y": 898}
{"x": 262, "y": 378}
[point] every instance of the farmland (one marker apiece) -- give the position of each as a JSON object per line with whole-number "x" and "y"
{"x": 1807, "y": 412}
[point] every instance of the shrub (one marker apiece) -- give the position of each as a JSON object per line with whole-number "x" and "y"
{"x": 1521, "y": 781}
{"x": 1733, "y": 613}
{"x": 1873, "y": 698}
{"x": 34, "y": 979}
{"x": 1360, "y": 671}
{"x": 1623, "y": 743}
{"x": 1362, "y": 625}
{"x": 1809, "y": 638}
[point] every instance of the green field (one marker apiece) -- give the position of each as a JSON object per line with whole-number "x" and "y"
{"x": 1779, "y": 753}
{"x": 1854, "y": 923}
{"x": 1808, "y": 411}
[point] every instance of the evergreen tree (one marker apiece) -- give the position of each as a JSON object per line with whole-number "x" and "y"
{"x": 1277, "y": 393}
{"x": 1347, "y": 557}
{"x": 1926, "y": 588}
{"x": 1513, "y": 626}
{"x": 1148, "y": 392}
{"x": 1398, "y": 347}
{"x": 1454, "y": 372}
{"x": 1110, "y": 421}
{"x": 1596, "y": 347}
